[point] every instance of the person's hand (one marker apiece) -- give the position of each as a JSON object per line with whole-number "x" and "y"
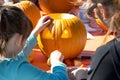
{"x": 55, "y": 56}
{"x": 80, "y": 73}
{"x": 42, "y": 23}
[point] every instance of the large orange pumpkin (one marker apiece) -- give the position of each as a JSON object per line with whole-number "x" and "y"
{"x": 31, "y": 10}
{"x": 67, "y": 34}
{"x": 55, "y": 6}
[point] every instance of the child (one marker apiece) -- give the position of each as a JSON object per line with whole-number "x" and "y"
{"x": 15, "y": 47}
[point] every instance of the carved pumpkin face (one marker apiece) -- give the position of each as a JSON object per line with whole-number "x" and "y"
{"x": 30, "y": 9}
{"x": 67, "y": 34}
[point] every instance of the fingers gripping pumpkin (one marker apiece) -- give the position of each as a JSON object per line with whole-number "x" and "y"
{"x": 67, "y": 34}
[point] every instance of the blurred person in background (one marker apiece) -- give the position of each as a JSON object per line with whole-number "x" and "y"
{"x": 105, "y": 64}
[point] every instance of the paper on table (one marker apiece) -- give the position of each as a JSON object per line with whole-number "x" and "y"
{"x": 89, "y": 36}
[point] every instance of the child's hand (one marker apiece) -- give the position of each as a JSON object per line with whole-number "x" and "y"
{"x": 42, "y": 23}
{"x": 56, "y": 56}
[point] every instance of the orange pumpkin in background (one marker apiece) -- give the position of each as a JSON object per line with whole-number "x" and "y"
{"x": 67, "y": 33}
{"x": 101, "y": 24}
{"x": 53, "y": 6}
{"x": 30, "y": 9}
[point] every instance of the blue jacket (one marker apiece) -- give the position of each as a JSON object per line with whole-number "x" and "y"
{"x": 19, "y": 68}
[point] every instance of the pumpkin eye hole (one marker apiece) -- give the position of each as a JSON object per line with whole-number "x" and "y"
{"x": 47, "y": 34}
{"x": 66, "y": 33}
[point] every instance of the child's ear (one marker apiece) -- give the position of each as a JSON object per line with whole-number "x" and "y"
{"x": 18, "y": 40}
{"x": 103, "y": 11}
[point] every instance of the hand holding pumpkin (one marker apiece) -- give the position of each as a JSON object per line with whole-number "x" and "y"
{"x": 55, "y": 56}
{"x": 42, "y": 23}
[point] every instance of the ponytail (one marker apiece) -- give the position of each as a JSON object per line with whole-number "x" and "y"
{"x": 114, "y": 25}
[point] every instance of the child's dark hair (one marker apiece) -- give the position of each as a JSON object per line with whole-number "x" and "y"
{"x": 12, "y": 20}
